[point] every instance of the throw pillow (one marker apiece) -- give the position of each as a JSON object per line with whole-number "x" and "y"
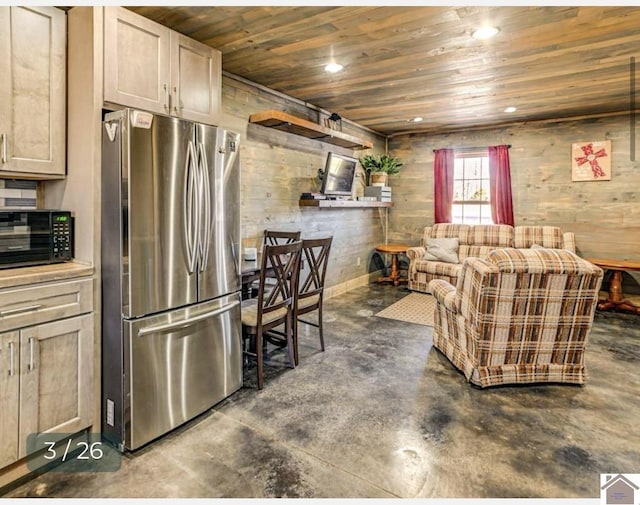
{"x": 442, "y": 249}
{"x": 538, "y": 246}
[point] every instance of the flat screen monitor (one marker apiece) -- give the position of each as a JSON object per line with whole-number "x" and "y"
{"x": 339, "y": 173}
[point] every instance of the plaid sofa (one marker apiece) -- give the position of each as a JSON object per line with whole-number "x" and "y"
{"x": 518, "y": 316}
{"x": 477, "y": 241}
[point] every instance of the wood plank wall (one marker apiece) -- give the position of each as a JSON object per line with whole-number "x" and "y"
{"x": 604, "y": 215}
{"x": 276, "y": 167}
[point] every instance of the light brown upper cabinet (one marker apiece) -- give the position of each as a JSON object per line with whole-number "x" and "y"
{"x": 151, "y": 67}
{"x": 32, "y": 92}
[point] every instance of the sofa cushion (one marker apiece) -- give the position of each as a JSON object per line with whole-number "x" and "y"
{"x": 449, "y": 230}
{"x": 545, "y": 260}
{"x": 493, "y": 235}
{"x": 546, "y": 236}
{"x": 442, "y": 249}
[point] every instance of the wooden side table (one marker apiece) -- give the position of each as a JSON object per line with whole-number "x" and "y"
{"x": 393, "y": 250}
{"x": 615, "y": 299}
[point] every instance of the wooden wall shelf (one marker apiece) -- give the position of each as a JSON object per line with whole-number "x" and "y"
{"x": 291, "y": 124}
{"x": 342, "y": 203}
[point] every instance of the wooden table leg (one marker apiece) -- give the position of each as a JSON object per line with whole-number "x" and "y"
{"x": 614, "y": 298}
{"x": 390, "y": 277}
{"x": 394, "y": 275}
{"x": 394, "y": 269}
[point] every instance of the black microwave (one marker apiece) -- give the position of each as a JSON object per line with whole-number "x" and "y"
{"x": 35, "y": 237}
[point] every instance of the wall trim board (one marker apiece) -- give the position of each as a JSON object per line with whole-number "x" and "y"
{"x": 351, "y": 284}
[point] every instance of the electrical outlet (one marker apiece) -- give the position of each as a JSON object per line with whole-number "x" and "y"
{"x": 358, "y": 261}
{"x": 110, "y": 412}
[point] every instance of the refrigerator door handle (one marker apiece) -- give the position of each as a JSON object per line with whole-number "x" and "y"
{"x": 191, "y": 218}
{"x": 199, "y": 176}
{"x": 167, "y": 327}
{"x": 205, "y": 237}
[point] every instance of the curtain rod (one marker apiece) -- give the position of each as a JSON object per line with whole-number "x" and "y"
{"x": 470, "y": 149}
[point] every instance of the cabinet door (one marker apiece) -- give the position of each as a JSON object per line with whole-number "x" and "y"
{"x": 196, "y": 73}
{"x": 32, "y": 91}
{"x": 136, "y": 61}
{"x": 5, "y": 82}
{"x": 56, "y": 373}
{"x": 9, "y": 398}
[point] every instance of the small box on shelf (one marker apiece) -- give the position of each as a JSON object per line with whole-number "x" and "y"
{"x": 380, "y": 193}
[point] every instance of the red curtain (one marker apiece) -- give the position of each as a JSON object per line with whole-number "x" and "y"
{"x": 500, "y": 185}
{"x": 443, "y": 185}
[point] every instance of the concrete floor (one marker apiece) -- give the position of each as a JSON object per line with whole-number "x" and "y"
{"x": 383, "y": 414}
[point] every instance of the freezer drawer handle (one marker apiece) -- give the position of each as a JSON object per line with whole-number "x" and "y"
{"x": 20, "y": 310}
{"x": 164, "y": 328}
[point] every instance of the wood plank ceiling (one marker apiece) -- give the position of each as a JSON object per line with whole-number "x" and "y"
{"x": 403, "y": 62}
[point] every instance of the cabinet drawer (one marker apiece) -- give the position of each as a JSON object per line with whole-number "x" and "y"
{"x": 47, "y": 302}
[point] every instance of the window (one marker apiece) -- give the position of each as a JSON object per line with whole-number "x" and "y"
{"x": 471, "y": 195}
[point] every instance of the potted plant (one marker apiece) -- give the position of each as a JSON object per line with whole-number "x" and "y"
{"x": 378, "y": 167}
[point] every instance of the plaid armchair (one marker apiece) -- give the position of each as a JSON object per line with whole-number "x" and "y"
{"x": 518, "y": 316}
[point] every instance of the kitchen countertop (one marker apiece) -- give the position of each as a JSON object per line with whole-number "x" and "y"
{"x": 12, "y": 277}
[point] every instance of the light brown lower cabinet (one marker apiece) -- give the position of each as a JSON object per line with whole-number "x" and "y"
{"x": 9, "y": 396}
{"x": 46, "y": 380}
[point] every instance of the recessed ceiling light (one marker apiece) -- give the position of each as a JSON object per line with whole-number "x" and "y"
{"x": 416, "y": 119}
{"x": 333, "y": 68}
{"x": 486, "y": 32}
{"x": 510, "y": 109}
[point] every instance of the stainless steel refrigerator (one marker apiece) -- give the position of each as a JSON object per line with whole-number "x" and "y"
{"x": 171, "y": 326}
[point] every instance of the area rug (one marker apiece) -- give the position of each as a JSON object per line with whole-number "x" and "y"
{"x": 414, "y": 308}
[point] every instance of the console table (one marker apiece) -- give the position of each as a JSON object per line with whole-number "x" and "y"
{"x": 615, "y": 299}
